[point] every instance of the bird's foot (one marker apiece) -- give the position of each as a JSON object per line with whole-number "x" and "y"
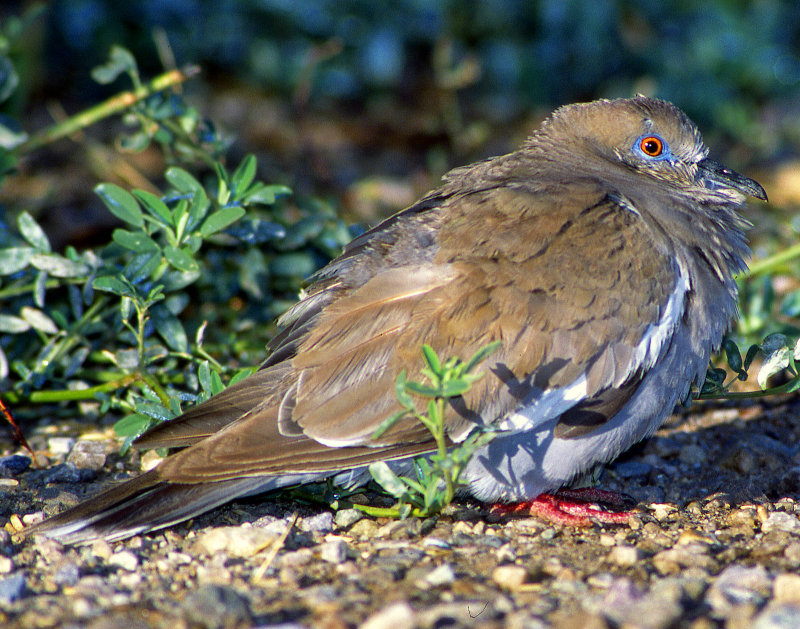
{"x": 574, "y": 507}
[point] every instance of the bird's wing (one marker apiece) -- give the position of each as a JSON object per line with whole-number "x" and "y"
{"x": 509, "y": 264}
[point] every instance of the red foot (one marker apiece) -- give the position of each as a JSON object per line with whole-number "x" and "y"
{"x": 574, "y": 507}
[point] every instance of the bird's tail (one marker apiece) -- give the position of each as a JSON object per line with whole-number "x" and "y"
{"x": 143, "y": 504}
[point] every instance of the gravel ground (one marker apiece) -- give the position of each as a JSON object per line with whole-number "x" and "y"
{"x": 715, "y": 542}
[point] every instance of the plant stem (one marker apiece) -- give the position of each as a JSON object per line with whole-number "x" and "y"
{"x": 770, "y": 263}
{"x": 114, "y": 105}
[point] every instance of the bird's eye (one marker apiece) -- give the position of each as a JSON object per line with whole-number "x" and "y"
{"x": 651, "y": 145}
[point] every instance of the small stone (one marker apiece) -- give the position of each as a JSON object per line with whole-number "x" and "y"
{"x": 662, "y": 510}
{"x": 88, "y": 455}
{"x": 12, "y": 588}
{"x": 786, "y": 588}
{"x": 334, "y": 551}
{"x": 692, "y": 454}
{"x": 13, "y": 465}
{"x": 321, "y": 523}
{"x": 124, "y": 559}
{"x": 67, "y": 575}
{"x": 548, "y": 533}
{"x": 6, "y": 565}
{"x": 236, "y": 541}
{"x": 736, "y": 586}
{"x": 217, "y": 606}
{"x": 60, "y": 446}
{"x": 631, "y": 469}
{"x": 781, "y": 521}
{"x": 792, "y": 552}
{"x": 607, "y": 540}
{"x": 510, "y": 577}
{"x": 102, "y": 549}
{"x": 69, "y": 473}
{"x": 442, "y": 575}
{"x": 395, "y": 616}
{"x": 625, "y": 555}
{"x": 149, "y": 460}
{"x": 347, "y": 517}
{"x": 29, "y": 519}
{"x": 297, "y": 558}
{"x": 365, "y": 528}
{"x": 786, "y": 616}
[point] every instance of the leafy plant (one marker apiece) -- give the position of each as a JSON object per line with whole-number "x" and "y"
{"x": 439, "y": 475}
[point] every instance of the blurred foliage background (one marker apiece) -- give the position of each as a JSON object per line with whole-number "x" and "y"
{"x": 359, "y": 106}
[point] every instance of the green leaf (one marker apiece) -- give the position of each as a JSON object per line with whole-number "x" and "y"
{"x": 243, "y": 176}
{"x": 154, "y": 205}
{"x": 15, "y": 259}
{"x": 132, "y": 425}
{"x": 183, "y": 181}
{"x": 119, "y": 61}
{"x": 13, "y": 325}
{"x": 135, "y": 241}
{"x": 31, "y": 232}
{"x": 120, "y": 203}
{"x": 752, "y": 352}
{"x": 388, "y": 423}
{"x": 387, "y": 479}
{"x": 169, "y": 328}
{"x": 58, "y": 266}
{"x": 733, "y": 355}
{"x": 422, "y": 389}
{"x": 265, "y": 195}
{"x": 400, "y": 391}
{"x": 181, "y": 259}
{"x": 481, "y": 354}
{"x": 112, "y": 284}
{"x": 220, "y": 220}
{"x": 432, "y": 360}
{"x": 135, "y": 142}
{"x": 8, "y": 78}
{"x": 454, "y": 388}
{"x": 777, "y": 361}
{"x": 39, "y": 320}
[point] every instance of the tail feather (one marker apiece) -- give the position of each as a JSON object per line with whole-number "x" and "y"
{"x": 143, "y": 504}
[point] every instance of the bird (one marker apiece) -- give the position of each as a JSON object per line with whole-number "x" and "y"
{"x": 600, "y": 255}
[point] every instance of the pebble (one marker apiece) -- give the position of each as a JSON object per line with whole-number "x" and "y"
{"x": 394, "y": 616}
{"x": 786, "y": 616}
{"x": 671, "y": 560}
{"x": 6, "y": 565}
{"x": 442, "y": 575}
{"x": 781, "y": 521}
{"x": 60, "y": 445}
{"x": 236, "y": 541}
{"x": 624, "y": 555}
{"x": 217, "y": 606}
{"x": 738, "y": 585}
{"x": 786, "y": 588}
{"x": 321, "y": 523}
{"x": 13, "y": 465}
{"x": 67, "y": 575}
{"x": 692, "y": 454}
{"x": 631, "y": 469}
{"x": 12, "y": 588}
{"x": 334, "y": 551}
{"x": 88, "y": 455}
{"x": 69, "y": 473}
{"x": 124, "y": 559}
{"x": 510, "y": 577}
{"x": 347, "y": 517}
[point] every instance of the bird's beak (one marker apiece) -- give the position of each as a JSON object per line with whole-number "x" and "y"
{"x": 714, "y": 176}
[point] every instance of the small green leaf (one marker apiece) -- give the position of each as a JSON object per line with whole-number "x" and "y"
{"x": 154, "y": 205}
{"x": 432, "y": 360}
{"x": 120, "y": 60}
{"x": 387, "y": 423}
{"x": 13, "y": 259}
{"x": 752, "y": 352}
{"x": 220, "y": 220}
{"x": 776, "y": 362}
{"x": 422, "y": 389}
{"x": 733, "y": 355}
{"x": 13, "y": 325}
{"x": 243, "y": 176}
{"x": 454, "y": 388}
{"x": 58, "y": 266}
{"x": 481, "y": 354}
{"x": 135, "y": 241}
{"x": 120, "y": 203}
{"x": 169, "y": 328}
{"x": 132, "y": 425}
{"x": 400, "y": 391}
{"x": 112, "y": 284}
{"x": 39, "y": 320}
{"x": 265, "y": 195}
{"x": 32, "y": 232}
{"x": 183, "y": 181}
{"x": 387, "y": 479}
{"x": 181, "y": 259}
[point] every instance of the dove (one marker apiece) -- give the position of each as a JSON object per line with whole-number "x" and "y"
{"x": 600, "y": 255}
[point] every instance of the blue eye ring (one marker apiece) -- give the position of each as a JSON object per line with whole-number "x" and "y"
{"x": 651, "y": 147}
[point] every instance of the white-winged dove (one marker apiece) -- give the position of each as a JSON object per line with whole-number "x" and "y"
{"x": 601, "y": 254}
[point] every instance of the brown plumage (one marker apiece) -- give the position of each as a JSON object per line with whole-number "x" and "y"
{"x": 605, "y": 271}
